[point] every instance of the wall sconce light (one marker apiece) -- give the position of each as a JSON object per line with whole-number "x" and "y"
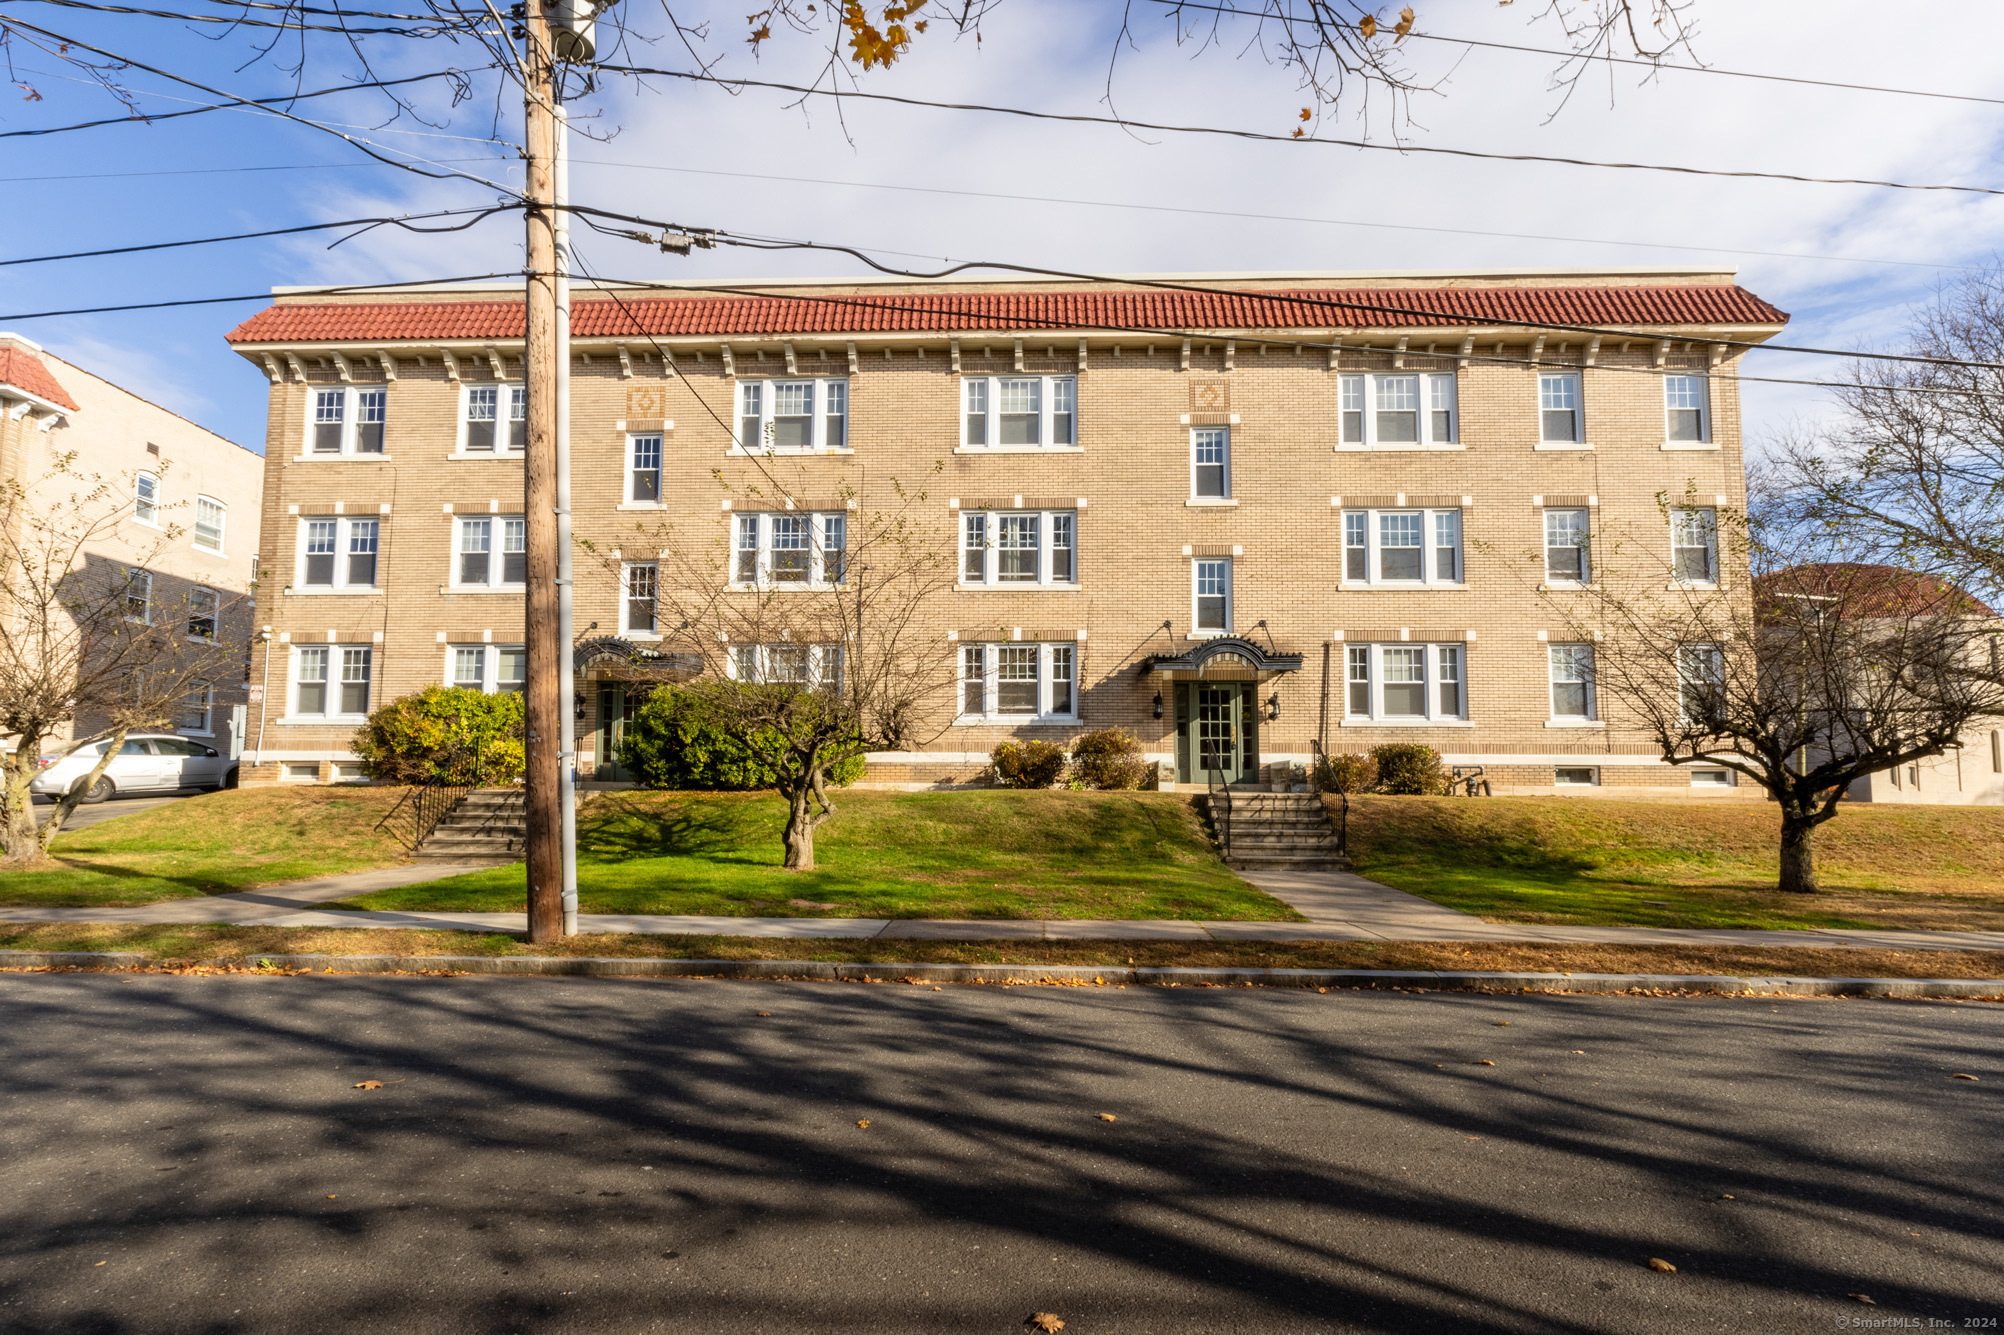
{"x": 578, "y": 703}
{"x": 1273, "y": 707}
{"x": 1158, "y": 704}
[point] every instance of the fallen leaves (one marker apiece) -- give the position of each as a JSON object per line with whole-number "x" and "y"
{"x": 1727, "y": 1196}
{"x": 1963, "y": 1075}
{"x": 368, "y": 1084}
{"x": 765, "y": 1015}
{"x": 863, "y": 1122}
{"x": 1046, "y": 1321}
{"x": 1108, "y": 1117}
{"x": 1861, "y": 1298}
{"x": 1502, "y": 1024}
{"x": 1657, "y": 1263}
{"x": 1485, "y": 1062}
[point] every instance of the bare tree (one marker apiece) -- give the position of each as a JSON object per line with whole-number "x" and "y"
{"x": 813, "y": 653}
{"x": 1913, "y": 472}
{"x": 1802, "y": 677}
{"x": 87, "y": 633}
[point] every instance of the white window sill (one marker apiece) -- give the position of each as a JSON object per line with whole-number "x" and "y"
{"x": 1575, "y": 723}
{"x": 209, "y": 551}
{"x": 1404, "y": 723}
{"x": 1221, "y": 502}
{"x": 475, "y": 454}
{"x": 153, "y": 524}
{"x": 1018, "y": 586}
{"x": 334, "y": 458}
{"x": 736, "y": 452}
{"x": 1693, "y": 586}
{"x": 333, "y": 591}
{"x": 1207, "y": 635}
{"x": 650, "y": 636}
{"x": 1020, "y": 449}
{"x": 1690, "y": 445}
{"x": 641, "y": 505}
{"x": 785, "y": 588}
{"x": 321, "y": 720}
{"x": 1016, "y": 720}
{"x": 1403, "y": 447}
{"x": 1565, "y": 586}
{"x": 1562, "y": 445}
{"x": 483, "y": 588}
{"x": 1345, "y": 587}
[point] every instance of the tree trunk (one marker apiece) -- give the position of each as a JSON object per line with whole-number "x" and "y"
{"x": 20, "y": 839}
{"x": 799, "y": 832}
{"x": 1798, "y": 856}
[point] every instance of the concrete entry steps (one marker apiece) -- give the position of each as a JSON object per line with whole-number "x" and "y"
{"x": 489, "y": 826}
{"x": 1282, "y": 832}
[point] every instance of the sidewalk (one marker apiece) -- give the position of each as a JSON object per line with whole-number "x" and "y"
{"x": 1339, "y": 907}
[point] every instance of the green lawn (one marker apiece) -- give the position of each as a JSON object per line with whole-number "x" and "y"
{"x": 1683, "y": 864}
{"x": 213, "y": 844}
{"x": 984, "y": 854}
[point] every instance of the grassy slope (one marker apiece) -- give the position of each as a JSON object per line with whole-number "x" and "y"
{"x": 211, "y": 844}
{"x": 886, "y": 855}
{"x": 1573, "y": 860}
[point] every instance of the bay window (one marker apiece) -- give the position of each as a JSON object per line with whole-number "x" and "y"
{"x": 789, "y": 548}
{"x": 1397, "y": 410}
{"x": 793, "y": 415}
{"x": 1027, "y": 547}
{"x": 1018, "y": 682}
{"x": 1402, "y": 547}
{"x": 1405, "y": 683}
{"x": 1019, "y": 412}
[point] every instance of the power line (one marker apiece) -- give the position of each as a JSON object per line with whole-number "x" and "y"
{"x": 432, "y": 28}
{"x": 1127, "y": 123}
{"x": 242, "y": 101}
{"x": 1655, "y": 65}
{"x": 364, "y": 223}
{"x": 254, "y": 296}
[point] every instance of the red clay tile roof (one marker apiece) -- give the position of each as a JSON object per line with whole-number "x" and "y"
{"x": 951, "y": 312}
{"x": 24, "y": 371}
{"x": 1872, "y": 590}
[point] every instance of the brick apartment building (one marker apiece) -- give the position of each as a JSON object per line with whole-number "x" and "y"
{"x": 189, "y": 535}
{"x": 1232, "y": 520}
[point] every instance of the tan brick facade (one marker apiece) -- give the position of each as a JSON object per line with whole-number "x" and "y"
{"x": 1127, "y": 486}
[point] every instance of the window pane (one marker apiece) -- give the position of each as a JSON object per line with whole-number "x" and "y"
{"x": 1214, "y": 582}
{"x": 145, "y": 498}
{"x": 974, "y": 548}
{"x": 751, "y": 396}
{"x": 511, "y": 670}
{"x": 1684, "y": 399}
{"x": 1399, "y": 551}
{"x": 208, "y": 524}
{"x": 747, "y": 549}
{"x": 836, "y": 413}
{"x": 646, "y": 469}
{"x": 786, "y": 663}
{"x": 514, "y": 551}
{"x": 329, "y": 406}
{"x": 481, "y": 402}
{"x": 1405, "y": 680}
{"x": 371, "y": 406}
{"x": 1447, "y": 545}
{"x": 1064, "y": 398}
{"x": 974, "y": 680}
{"x": 1351, "y": 397}
{"x": 469, "y": 668}
{"x": 1357, "y": 547}
{"x": 355, "y": 681}
{"x": 1566, "y": 544}
{"x": 1441, "y": 400}
{"x": 793, "y": 415}
{"x": 1398, "y": 408}
{"x": 202, "y": 604}
{"x": 1016, "y": 547}
{"x": 1358, "y": 659}
{"x": 977, "y": 412}
{"x": 640, "y": 597}
{"x": 834, "y": 548}
{"x": 1021, "y": 408}
{"x": 320, "y": 551}
{"x": 1063, "y": 571}
{"x": 1558, "y": 403}
{"x": 790, "y": 550}
{"x": 1449, "y": 684}
{"x": 1210, "y": 449}
{"x": 1061, "y": 679}
{"x": 362, "y": 536}
{"x": 1016, "y": 679}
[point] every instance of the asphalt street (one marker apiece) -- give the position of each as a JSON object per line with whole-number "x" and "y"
{"x": 98, "y": 812}
{"x": 192, "y": 1154}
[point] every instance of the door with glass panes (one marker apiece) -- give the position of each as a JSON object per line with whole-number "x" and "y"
{"x": 1216, "y": 731}
{"x": 616, "y": 708}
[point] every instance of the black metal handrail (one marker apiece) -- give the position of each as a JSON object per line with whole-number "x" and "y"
{"x": 1221, "y": 806}
{"x": 418, "y": 812}
{"x": 1318, "y": 766}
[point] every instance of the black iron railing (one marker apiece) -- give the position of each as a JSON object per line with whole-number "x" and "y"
{"x": 1221, "y": 805}
{"x": 418, "y": 812}
{"x": 1319, "y": 775}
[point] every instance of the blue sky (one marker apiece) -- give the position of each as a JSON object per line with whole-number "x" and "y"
{"x": 702, "y": 156}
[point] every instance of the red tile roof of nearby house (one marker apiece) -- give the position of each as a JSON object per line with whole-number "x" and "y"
{"x": 962, "y": 312}
{"x": 1872, "y": 590}
{"x": 24, "y": 371}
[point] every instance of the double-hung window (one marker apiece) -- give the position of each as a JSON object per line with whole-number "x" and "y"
{"x": 1559, "y": 418}
{"x": 204, "y": 606}
{"x": 1018, "y": 682}
{"x": 1211, "y": 597}
{"x": 492, "y": 418}
{"x": 1402, "y": 547}
{"x": 793, "y": 415}
{"x": 814, "y": 666}
{"x": 492, "y": 552}
{"x": 1694, "y": 544}
{"x": 346, "y": 419}
{"x": 1001, "y": 548}
{"x": 1687, "y": 409}
{"x": 331, "y": 681}
{"x": 146, "y": 499}
{"x": 1019, "y": 412}
{"x": 642, "y": 587}
{"x": 1405, "y": 683}
{"x": 210, "y": 517}
{"x": 336, "y": 553}
{"x": 1568, "y": 559}
{"x": 1701, "y": 679}
{"x": 1572, "y": 682}
{"x": 790, "y": 548}
{"x": 1211, "y": 463}
{"x": 495, "y": 669}
{"x": 1399, "y": 410}
{"x": 197, "y": 709}
{"x": 139, "y": 597}
{"x": 643, "y": 469}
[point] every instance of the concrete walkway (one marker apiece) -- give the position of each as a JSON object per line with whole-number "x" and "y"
{"x": 1339, "y": 907}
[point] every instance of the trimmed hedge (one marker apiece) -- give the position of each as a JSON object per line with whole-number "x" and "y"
{"x": 1408, "y": 769}
{"x": 671, "y": 743}
{"x": 444, "y": 732}
{"x": 1028, "y": 764}
{"x": 1108, "y": 759}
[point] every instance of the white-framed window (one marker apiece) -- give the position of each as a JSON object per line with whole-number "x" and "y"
{"x": 1687, "y": 409}
{"x": 1711, "y": 778}
{"x": 331, "y": 681}
{"x": 491, "y": 552}
{"x": 793, "y": 415}
{"x": 1211, "y": 596}
{"x": 146, "y": 499}
{"x": 210, "y": 517}
{"x": 139, "y": 596}
{"x": 1402, "y": 547}
{"x": 1560, "y": 421}
{"x": 196, "y": 712}
{"x": 814, "y": 666}
{"x": 1568, "y": 557}
{"x": 1405, "y": 683}
{"x": 1701, "y": 680}
{"x": 346, "y": 419}
{"x": 789, "y": 548}
{"x": 639, "y": 592}
{"x": 1210, "y": 463}
{"x": 300, "y": 771}
{"x": 337, "y": 553}
{"x": 1397, "y": 410}
{"x": 492, "y": 418}
{"x": 1571, "y": 669}
{"x": 204, "y": 610}
{"x": 496, "y": 669}
{"x": 1018, "y": 682}
{"x": 643, "y": 469}
{"x": 1694, "y": 544}
{"x": 1576, "y": 776}
{"x": 1019, "y": 412}
{"x": 1019, "y": 547}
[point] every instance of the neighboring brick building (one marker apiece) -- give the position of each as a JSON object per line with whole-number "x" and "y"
{"x": 190, "y": 534}
{"x": 1294, "y": 503}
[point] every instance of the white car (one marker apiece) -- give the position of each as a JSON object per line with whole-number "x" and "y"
{"x": 148, "y": 762}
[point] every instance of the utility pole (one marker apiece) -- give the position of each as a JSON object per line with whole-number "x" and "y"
{"x": 543, "y": 703}
{"x": 567, "y": 749}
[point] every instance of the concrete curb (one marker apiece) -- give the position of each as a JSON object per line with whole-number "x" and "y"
{"x": 1062, "y": 975}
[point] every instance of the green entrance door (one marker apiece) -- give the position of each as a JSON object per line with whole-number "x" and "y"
{"x": 1212, "y": 718}
{"x": 615, "y": 710}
